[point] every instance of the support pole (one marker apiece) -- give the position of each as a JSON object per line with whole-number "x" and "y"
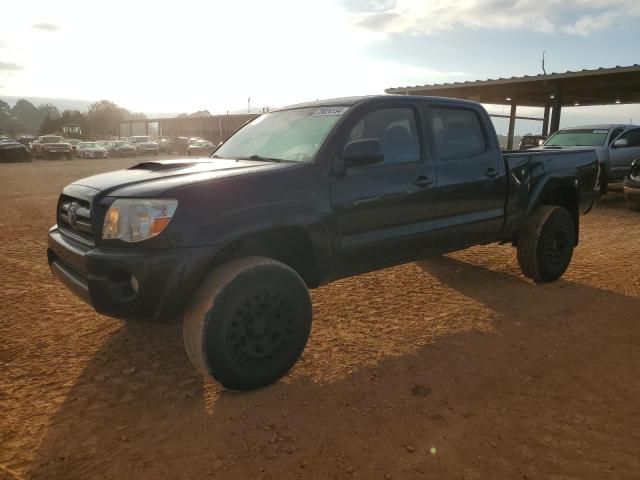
{"x": 555, "y": 115}
{"x": 512, "y": 126}
{"x": 545, "y": 120}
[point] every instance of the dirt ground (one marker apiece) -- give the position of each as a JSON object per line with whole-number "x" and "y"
{"x": 451, "y": 368}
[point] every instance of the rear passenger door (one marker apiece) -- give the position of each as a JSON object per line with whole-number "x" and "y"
{"x": 471, "y": 182}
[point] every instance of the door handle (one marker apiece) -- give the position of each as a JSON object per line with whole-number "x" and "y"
{"x": 423, "y": 181}
{"x": 491, "y": 173}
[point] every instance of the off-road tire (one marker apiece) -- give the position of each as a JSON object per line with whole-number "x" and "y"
{"x": 545, "y": 243}
{"x": 248, "y": 322}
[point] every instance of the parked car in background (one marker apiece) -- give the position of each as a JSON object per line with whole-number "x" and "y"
{"x": 180, "y": 145}
{"x": 74, "y": 142}
{"x": 13, "y": 151}
{"x": 106, "y": 144}
{"x": 200, "y": 148}
{"x": 172, "y": 145}
{"x": 92, "y": 150}
{"x": 26, "y": 140}
{"x": 631, "y": 186}
{"x": 51, "y": 146}
{"x": 144, "y": 145}
{"x": 531, "y": 141}
{"x": 165, "y": 144}
{"x": 616, "y": 145}
{"x": 122, "y": 148}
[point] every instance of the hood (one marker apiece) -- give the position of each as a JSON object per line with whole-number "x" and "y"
{"x": 156, "y": 177}
{"x": 574, "y": 147}
{"x": 12, "y": 146}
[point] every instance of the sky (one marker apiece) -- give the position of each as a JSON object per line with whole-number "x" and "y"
{"x": 193, "y": 55}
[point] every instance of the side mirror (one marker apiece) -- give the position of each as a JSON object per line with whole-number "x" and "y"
{"x": 621, "y": 143}
{"x": 362, "y": 152}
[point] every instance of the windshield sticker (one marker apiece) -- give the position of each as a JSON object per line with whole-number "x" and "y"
{"x": 600, "y": 131}
{"x": 332, "y": 111}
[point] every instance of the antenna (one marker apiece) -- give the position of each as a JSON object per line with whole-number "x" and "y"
{"x": 543, "y": 69}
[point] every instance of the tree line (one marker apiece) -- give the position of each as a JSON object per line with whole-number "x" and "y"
{"x": 101, "y": 118}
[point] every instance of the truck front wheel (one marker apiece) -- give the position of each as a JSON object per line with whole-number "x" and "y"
{"x": 248, "y": 323}
{"x": 545, "y": 243}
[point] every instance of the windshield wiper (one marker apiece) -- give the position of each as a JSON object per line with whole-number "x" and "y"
{"x": 260, "y": 158}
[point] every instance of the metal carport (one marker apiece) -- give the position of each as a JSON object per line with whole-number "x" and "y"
{"x": 602, "y": 86}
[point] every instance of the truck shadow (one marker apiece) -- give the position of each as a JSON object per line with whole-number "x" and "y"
{"x": 139, "y": 410}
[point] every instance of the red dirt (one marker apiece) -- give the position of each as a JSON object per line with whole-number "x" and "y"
{"x": 451, "y": 368}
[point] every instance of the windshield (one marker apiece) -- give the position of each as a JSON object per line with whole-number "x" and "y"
{"x": 140, "y": 139}
{"x": 586, "y": 137}
{"x": 90, "y": 145}
{"x": 52, "y": 139}
{"x": 294, "y": 135}
{"x": 122, "y": 144}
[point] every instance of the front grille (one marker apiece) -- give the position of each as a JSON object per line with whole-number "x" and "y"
{"x": 74, "y": 218}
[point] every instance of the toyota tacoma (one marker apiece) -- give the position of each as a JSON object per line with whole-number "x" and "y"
{"x": 298, "y": 198}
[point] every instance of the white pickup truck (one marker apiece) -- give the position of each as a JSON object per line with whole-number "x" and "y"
{"x": 51, "y": 146}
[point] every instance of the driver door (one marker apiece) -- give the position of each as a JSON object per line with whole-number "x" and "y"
{"x": 384, "y": 212}
{"x": 621, "y": 157}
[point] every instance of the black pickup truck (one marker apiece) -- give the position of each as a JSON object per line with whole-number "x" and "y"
{"x": 300, "y": 197}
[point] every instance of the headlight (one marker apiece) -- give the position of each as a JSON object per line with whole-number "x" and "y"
{"x": 134, "y": 220}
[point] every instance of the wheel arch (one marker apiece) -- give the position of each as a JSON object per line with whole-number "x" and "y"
{"x": 561, "y": 192}
{"x": 290, "y": 244}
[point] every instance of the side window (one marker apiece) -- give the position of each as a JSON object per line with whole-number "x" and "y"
{"x": 457, "y": 133}
{"x": 397, "y": 131}
{"x": 614, "y": 134}
{"x": 633, "y": 137}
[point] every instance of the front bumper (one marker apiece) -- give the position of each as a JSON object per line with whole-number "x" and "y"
{"x": 57, "y": 151}
{"x": 124, "y": 153}
{"x": 96, "y": 154}
{"x": 101, "y": 277}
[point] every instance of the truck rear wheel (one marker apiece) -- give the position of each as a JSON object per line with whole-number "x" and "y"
{"x": 546, "y": 243}
{"x": 248, "y": 323}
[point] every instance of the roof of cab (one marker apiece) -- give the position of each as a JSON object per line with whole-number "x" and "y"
{"x": 350, "y": 101}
